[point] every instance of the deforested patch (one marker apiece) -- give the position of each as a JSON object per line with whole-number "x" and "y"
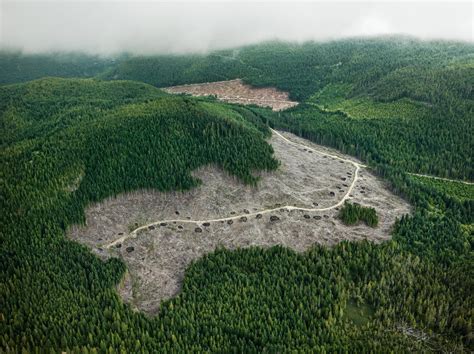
{"x": 295, "y": 206}
{"x": 235, "y": 91}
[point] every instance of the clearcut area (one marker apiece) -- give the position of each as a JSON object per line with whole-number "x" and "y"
{"x": 159, "y": 234}
{"x": 235, "y": 91}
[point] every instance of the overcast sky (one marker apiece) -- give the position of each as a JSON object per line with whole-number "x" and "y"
{"x": 108, "y": 26}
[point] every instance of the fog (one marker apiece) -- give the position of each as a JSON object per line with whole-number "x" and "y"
{"x": 109, "y": 27}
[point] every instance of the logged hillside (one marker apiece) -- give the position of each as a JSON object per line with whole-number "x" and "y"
{"x": 66, "y": 143}
{"x": 102, "y": 138}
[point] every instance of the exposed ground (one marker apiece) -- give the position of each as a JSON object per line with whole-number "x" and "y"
{"x": 159, "y": 234}
{"x": 235, "y": 91}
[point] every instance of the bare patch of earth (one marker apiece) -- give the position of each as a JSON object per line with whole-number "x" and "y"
{"x": 235, "y": 91}
{"x": 172, "y": 231}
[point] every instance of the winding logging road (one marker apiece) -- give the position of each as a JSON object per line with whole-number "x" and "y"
{"x": 346, "y": 196}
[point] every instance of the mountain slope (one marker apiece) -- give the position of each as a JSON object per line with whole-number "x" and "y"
{"x": 18, "y": 67}
{"x": 424, "y": 88}
{"x": 68, "y": 142}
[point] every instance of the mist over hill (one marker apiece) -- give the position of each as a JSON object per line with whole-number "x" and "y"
{"x": 97, "y": 136}
{"x": 155, "y": 27}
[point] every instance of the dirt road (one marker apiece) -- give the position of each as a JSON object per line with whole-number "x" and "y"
{"x": 442, "y": 179}
{"x": 356, "y": 165}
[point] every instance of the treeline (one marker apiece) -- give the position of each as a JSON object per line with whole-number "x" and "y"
{"x": 352, "y": 213}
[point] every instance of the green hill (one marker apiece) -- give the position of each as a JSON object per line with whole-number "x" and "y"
{"x": 69, "y": 142}
{"x": 413, "y": 99}
{"x": 398, "y": 104}
{"x": 386, "y": 67}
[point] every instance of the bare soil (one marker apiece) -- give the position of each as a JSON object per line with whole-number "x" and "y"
{"x": 139, "y": 226}
{"x": 235, "y": 91}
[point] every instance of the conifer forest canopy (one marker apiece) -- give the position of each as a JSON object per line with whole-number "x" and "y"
{"x": 77, "y": 129}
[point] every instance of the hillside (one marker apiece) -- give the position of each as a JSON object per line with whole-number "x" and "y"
{"x": 71, "y": 148}
{"x": 373, "y": 66}
{"x": 69, "y": 142}
{"x": 159, "y": 235}
{"x": 400, "y": 95}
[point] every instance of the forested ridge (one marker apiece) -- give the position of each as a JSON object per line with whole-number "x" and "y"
{"x": 426, "y": 88}
{"x": 67, "y": 143}
{"x": 19, "y": 67}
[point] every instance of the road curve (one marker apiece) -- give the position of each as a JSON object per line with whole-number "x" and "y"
{"x": 346, "y": 196}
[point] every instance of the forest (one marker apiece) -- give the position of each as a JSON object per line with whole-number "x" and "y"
{"x": 18, "y": 67}
{"x": 352, "y": 213}
{"x": 69, "y": 142}
{"x": 425, "y": 88}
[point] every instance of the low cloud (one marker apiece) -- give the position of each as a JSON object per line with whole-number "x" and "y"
{"x": 108, "y": 27}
